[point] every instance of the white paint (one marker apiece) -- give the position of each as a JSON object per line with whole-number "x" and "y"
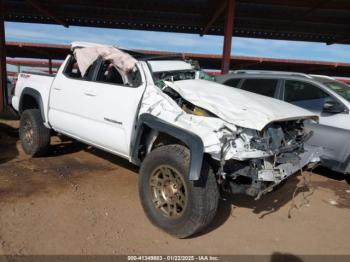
{"x": 40, "y": 83}
{"x": 168, "y": 65}
{"x": 238, "y": 107}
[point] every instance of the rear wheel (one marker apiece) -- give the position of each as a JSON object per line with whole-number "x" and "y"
{"x": 35, "y": 137}
{"x": 171, "y": 201}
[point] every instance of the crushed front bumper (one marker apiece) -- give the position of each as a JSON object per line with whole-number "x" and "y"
{"x": 310, "y": 158}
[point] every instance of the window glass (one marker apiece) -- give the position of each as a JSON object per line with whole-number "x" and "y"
{"x": 266, "y": 87}
{"x": 232, "y": 82}
{"x": 340, "y": 88}
{"x": 108, "y": 73}
{"x": 307, "y": 95}
{"x": 72, "y": 69}
{"x": 205, "y": 76}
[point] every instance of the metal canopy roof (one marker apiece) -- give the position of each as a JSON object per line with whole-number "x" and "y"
{"x": 207, "y": 61}
{"x": 36, "y": 50}
{"x": 325, "y": 21}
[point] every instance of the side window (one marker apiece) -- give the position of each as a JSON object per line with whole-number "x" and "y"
{"x": 110, "y": 74}
{"x": 72, "y": 69}
{"x": 265, "y": 87}
{"x": 232, "y": 82}
{"x": 306, "y": 95}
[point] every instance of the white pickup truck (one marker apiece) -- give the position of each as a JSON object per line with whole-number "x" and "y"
{"x": 191, "y": 137}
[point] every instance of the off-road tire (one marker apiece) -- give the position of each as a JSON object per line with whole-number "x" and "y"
{"x": 40, "y": 134}
{"x": 202, "y": 195}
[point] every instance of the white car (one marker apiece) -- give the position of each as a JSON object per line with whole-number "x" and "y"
{"x": 190, "y": 136}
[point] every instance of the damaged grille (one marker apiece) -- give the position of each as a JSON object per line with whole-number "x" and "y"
{"x": 281, "y": 137}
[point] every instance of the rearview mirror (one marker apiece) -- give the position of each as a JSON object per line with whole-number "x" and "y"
{"x": 333, "y": 108}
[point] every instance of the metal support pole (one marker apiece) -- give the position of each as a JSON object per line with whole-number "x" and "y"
{"x": 226, "y": 57}
{"x": 3, "y": 81}
{"x": 50, "y": 66}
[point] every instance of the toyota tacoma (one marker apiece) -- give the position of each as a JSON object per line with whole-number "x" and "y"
{"x": 191, "y": 137}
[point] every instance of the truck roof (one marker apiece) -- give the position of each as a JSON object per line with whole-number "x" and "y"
{"x": 137, "y": 55}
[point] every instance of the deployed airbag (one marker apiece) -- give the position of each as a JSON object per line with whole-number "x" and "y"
{"x": 86, "y": 56}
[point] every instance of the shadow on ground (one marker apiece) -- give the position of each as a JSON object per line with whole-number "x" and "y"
{"x": 115, "y": 160}
{"x": 335, "y": 184}
{"x": 266, "y": 205}
{"x": 330, "y": 174}
{"x": 63, "y": 145}
{"x": 273, "y": 201}
{"x": 8, "y": 140}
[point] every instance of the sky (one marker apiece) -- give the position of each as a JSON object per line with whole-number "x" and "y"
{"x": 176, "y": 42}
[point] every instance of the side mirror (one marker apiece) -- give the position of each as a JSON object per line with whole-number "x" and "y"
{"x": 333, "y": 108}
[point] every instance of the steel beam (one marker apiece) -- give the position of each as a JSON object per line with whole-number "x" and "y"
{"x": 3, "y": 77}
{"x": 215, "y": 16}
{"x": 229, "y": 26}
{"x": 50, "y": 66}
{"x": 47, "y": 12}
{"x": 339, "y": 41}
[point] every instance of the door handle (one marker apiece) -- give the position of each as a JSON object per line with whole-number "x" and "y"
{"x": 57, "y": 88}
{"x": 90, "y": 92}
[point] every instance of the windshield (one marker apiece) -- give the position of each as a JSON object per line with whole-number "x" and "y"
{"x": 172, "y": 76}
{"x": 340, "y": 88}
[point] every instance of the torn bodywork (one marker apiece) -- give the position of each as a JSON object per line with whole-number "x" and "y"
{"x": 255, "y": 142}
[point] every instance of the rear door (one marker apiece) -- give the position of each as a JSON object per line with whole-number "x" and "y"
{"x": 67, "y": 112}
{"x": 332, "y": 132}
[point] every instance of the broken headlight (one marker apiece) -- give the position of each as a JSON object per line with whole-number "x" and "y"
{"x": 283, "y": 136}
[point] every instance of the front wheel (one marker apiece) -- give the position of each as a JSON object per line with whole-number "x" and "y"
{"x": 170, "y": 200}
{"x": 35, "y": 137}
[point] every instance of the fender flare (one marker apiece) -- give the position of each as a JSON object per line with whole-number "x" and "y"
{"x": 193, "y": 141}
{"x": 36, "y": 95}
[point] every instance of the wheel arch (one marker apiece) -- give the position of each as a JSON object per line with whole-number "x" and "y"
{"x": 151, "y": 126}
{"x": 31, "y": 99}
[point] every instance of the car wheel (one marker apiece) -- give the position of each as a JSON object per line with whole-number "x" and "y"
{"x": 34, "y": 136}
{"x": 170, "y": 200}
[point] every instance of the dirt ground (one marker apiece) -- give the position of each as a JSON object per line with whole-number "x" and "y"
{"x": 80, "y": 200}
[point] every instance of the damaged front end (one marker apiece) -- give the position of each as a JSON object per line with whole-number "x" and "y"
{"x": 254, "y": 162}
{"x": 254, "y": 142}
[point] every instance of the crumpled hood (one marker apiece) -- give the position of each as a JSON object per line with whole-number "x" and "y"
{"x": 236, "y": 106}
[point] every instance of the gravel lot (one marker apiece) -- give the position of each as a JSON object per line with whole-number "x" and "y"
{"x": 80, "y": 200}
